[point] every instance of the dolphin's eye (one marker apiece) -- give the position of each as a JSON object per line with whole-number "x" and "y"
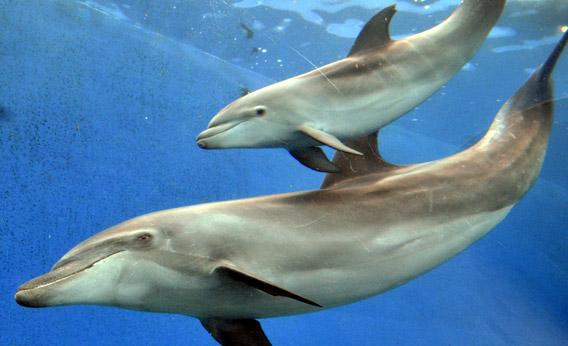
{"x": 144, "y": 237}
{"x": 260, "y": 111}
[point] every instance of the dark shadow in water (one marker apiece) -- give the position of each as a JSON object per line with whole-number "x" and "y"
{"x": 4, "y": 115}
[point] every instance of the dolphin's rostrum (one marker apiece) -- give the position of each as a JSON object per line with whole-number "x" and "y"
{"x": 367, "y": 230}
{"x": 380, "y": 80}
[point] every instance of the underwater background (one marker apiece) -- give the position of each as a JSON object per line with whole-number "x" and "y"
{"x": 100, "y": 104}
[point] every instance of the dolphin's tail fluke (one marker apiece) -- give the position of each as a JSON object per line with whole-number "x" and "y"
{"x": 518, "y": 137}
{"x": 537, "y": 92}
{"x": 548, "y": 67}
{"x": 539, "y": 88}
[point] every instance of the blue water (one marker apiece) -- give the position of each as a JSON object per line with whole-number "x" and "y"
{"x": 100, "y": 103}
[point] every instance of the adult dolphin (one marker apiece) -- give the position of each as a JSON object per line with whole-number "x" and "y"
{"x": 369, "y": 229}
{"x": 380, "y": 80}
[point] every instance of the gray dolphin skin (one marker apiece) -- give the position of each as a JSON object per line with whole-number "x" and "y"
{"x": 367, "y": 230}
{"x": 380, "y": 80}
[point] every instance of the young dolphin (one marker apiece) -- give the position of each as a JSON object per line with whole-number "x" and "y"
{"x": 380, "y": 80}
{"x": 369, "y": 229}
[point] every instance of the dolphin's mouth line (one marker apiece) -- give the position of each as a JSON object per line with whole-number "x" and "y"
{"x": 218, "y": 129}
{"x": 69, "y": 275}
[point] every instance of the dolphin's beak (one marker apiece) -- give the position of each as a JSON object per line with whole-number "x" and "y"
{"x": 203, "y": 139}
{"x": 39, "y": 292}
{"x": 35, "y": 293}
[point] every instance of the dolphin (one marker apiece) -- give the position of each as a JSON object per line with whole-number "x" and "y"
{"x": 368, "y": 229}
{"x": 380, "y": 80}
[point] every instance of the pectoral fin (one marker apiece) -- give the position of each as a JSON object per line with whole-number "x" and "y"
{"x": 260, "y": 284}
{"x": 236, "y": 332}
{"x": 327, "y": 139}
{"x": 314, "y": 158}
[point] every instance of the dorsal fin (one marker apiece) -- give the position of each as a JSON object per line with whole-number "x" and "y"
{"x": 351, "y": 166}
{"x": 375, "y": 33}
